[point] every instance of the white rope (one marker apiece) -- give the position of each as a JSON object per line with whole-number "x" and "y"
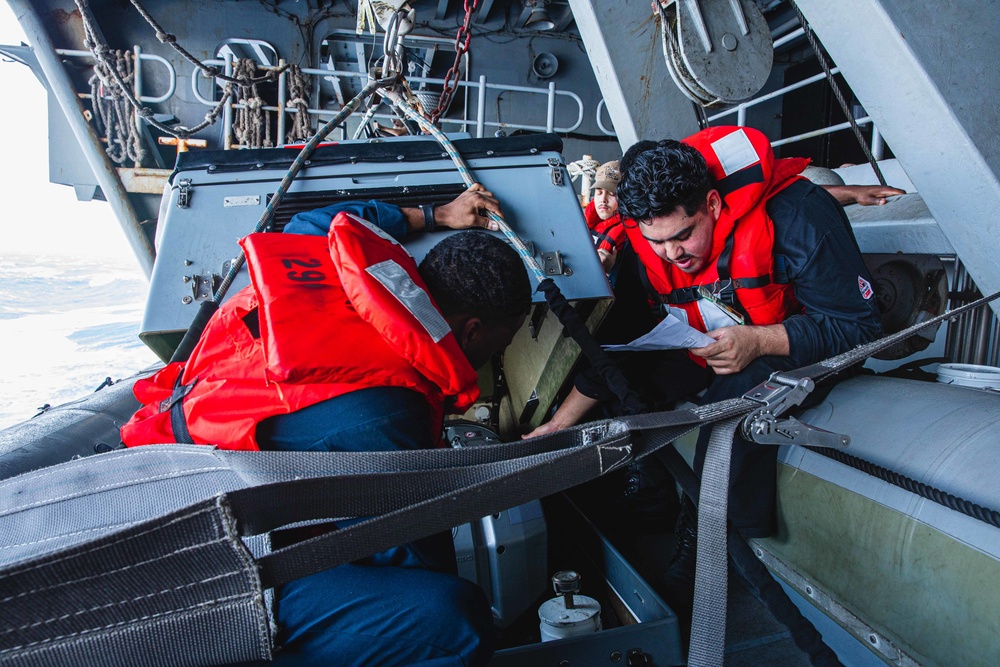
{"x": 113, "y": 111}
{"x": 587, "y": 169}
{"x": 298, "y": 99}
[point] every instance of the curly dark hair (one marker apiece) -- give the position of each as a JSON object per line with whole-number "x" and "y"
{"x": 477, "y": 274}
{"x": 659, "y": 177}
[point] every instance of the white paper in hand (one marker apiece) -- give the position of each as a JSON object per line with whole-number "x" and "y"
{"x": 670, "y": 334}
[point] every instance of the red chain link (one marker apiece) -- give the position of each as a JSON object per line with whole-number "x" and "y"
{"x": 462, "y": 40}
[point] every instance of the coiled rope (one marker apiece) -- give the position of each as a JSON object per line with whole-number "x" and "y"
{"x": 298, "y": 92}
{"x": 102, "y": 54}
{"x": 113, "y": 113}
{"x": 252, "y": 123}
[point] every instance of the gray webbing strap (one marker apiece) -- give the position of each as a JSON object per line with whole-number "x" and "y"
{"x": 447, "y": 488}
{"x": 710, "y": 580}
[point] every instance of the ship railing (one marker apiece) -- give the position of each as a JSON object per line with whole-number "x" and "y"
{"x": 601, "y": 106}
{"x": 552, "y": 94}
{"x": 877, "y": 145}
{"x": 479, "y": 121}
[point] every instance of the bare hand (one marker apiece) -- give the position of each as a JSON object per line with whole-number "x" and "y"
{"x": 544, "y": 429}
{"x": 734, "y": 348}
{"x": 875, "y": 195}
{"x": 866, "y": 195}
{"x": 469, "y": 210}
{"x": 608, "y": 258}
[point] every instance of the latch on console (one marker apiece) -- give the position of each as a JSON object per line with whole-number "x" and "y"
{"x": 184, "y": 193}
{"x": 556, "y": 171}
{"x": 552, "y": 264}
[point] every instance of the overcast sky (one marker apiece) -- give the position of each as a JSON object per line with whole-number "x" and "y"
{"x": 39, "y": 217}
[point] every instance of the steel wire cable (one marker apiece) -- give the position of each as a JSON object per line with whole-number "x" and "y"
{"x": 811, "y": 37}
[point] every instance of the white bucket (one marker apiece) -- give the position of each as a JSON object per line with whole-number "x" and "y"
{"x": 970, "y": 375}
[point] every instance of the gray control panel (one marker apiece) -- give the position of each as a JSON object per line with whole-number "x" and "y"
{"x": 216, "y": 198}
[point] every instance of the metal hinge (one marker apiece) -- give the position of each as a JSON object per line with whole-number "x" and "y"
{"x": 552, "y": 264}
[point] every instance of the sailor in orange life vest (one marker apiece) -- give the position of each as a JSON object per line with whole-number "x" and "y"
{"x": 370, "y": 362}
{"x": 726, "y": 233}
{"x": 602, "y": 215}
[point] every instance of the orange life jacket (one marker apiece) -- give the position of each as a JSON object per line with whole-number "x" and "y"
{"x": 740, "y": 270}
{"x": 322, "y": 317}
{"x": 608, "y": 234}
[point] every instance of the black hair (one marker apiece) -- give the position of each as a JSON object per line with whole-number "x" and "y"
{"x": 659, "y": 177}
{"x": 475, "y": 273}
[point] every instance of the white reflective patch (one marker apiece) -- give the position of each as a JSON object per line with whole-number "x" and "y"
{"x": 735, "y": 152}
{"x": 395, "y": 279}
{"x": 380, "y": 232}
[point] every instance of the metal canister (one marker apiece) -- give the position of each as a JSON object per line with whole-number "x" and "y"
{"x": 568, "y": 614}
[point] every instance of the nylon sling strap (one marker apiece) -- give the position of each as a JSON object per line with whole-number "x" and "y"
{"x": 756, "y": 574}
{"x": 496, "y": 486}
{"x": 709, "y": 612}
{"x": 88, "y": 529}
{"x": 436, "y": 499}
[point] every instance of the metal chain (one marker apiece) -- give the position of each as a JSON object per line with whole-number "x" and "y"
{"x": 462, "y": 40}
{"x": 839, "y": 95}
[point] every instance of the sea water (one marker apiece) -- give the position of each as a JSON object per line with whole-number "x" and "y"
{"x": 66, "y": 324}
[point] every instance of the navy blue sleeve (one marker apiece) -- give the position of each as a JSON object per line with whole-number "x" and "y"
{"x": 815, "y": 246}
{"x": 387, "y": 217}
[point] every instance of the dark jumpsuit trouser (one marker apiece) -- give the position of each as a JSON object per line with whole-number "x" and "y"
{"x": 403, "y": 606}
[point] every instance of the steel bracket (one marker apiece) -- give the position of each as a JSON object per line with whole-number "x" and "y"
{"x": 552, "y": 264}
{"x": 556, "y": 171}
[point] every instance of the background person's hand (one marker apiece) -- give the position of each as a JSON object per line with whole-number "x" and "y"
{"x": 866, "y": 195}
